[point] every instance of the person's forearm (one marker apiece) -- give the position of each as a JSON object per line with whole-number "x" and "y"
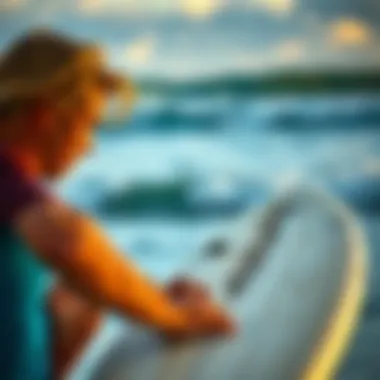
{"x": 106, "y": 277}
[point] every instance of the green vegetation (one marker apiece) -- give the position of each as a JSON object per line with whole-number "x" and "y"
{"x": 296, "y": 82}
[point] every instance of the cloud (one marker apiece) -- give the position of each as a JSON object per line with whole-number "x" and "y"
{"x": 275, "y": 6}
{"x": 191, "y": 8}
{"x": 285, "y": 53}
{"x": 11, "y": 4}
{"x": 350, "y": 32}
{"x": 105, "y": 6}
{"x": 200, "y": 8}
{"x": 90, "y": 6}
{"x": 290, "y": 51}
{"x": 140, "y": 51}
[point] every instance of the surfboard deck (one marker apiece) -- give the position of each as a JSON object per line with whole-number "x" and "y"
{"x": 294, "y": 276}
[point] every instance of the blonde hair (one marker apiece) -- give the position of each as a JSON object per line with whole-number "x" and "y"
{"x": 45, "y": 63}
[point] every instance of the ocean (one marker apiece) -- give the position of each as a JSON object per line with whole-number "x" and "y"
{"x": 181, "y": 170}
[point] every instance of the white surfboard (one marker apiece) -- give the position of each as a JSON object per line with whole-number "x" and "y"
{"x": 294, "y": 276}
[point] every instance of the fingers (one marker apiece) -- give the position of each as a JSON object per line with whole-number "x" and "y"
{"x": 222, "y": 322}
{"x": 206, "y": 318}
{"x": 184, "y": 290}
{"x": 216, "y": 321}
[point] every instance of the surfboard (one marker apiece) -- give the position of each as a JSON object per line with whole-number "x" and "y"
{"x": 294, "y": 275}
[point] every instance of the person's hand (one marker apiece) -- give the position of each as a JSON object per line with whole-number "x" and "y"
{"x": 184, "y": 290}
{"x": 204, "y": 317}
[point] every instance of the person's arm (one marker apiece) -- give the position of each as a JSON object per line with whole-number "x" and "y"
{"x": 76, "y": 247}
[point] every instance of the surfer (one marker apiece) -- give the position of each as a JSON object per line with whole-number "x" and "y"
{"x": 59, "y": 272}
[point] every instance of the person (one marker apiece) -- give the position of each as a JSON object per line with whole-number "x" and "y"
{"x": 59, "y": 273}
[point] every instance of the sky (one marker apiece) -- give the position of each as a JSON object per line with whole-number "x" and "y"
{"x": 184, "y": 38}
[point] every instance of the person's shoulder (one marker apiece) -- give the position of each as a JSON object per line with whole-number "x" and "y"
{"x": 17, "y": 190}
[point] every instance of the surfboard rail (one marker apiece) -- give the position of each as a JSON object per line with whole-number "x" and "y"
{"x": 334, "y": 343}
